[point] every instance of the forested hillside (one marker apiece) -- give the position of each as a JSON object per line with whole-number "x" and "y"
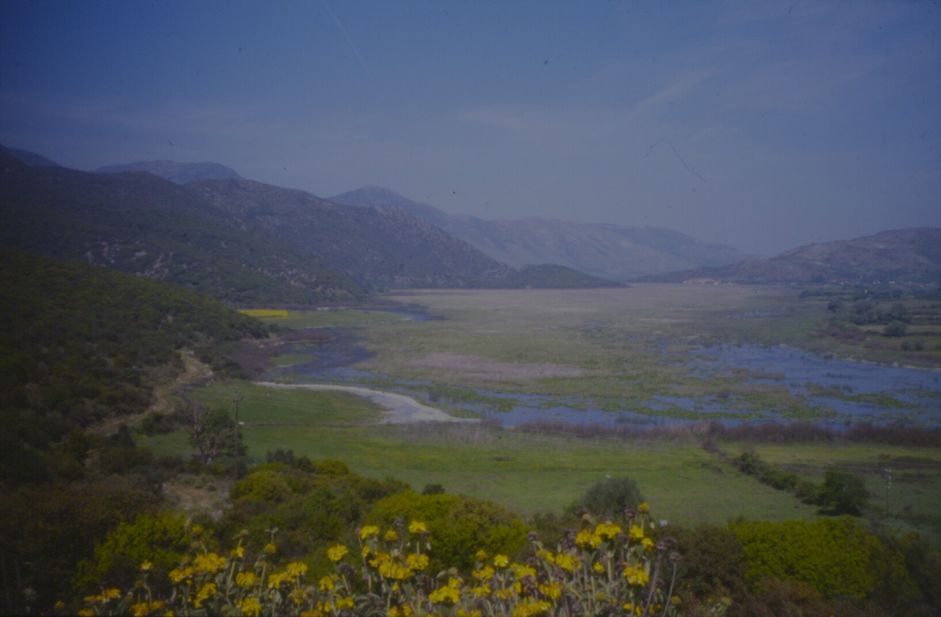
{"x": 142, "y": 224}
{"x": 78, "y": 345}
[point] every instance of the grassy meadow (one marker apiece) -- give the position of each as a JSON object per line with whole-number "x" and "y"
{"x": 611, "y": 348}
{"x": 513, "y": 468}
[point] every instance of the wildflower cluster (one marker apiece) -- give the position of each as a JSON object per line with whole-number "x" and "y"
{"x": 605, "y": 568}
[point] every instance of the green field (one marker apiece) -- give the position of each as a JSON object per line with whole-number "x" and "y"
{"x": 904, "y": 483}
{"x": 612, "y": 349}
{"x": 513, "y": 468}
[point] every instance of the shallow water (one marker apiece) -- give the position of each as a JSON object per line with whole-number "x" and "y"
{"x": 837, "y": 391}
{"x": 862, "y": 390}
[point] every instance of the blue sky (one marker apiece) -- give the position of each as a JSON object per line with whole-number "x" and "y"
{"x": 760, "y": 125}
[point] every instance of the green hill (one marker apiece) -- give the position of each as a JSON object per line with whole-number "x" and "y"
{"x": 142, "y": 224}
{"x": 79, "y": 345}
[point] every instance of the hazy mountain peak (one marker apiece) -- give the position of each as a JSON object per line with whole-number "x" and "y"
{"x": 891, "y": 256}
{"x": 607, "y": 251}
{"x": 29, "y": 158}
{"x": 178, "y": 173}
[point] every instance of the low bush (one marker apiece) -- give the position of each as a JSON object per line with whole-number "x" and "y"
{"x": 610, "y": 497}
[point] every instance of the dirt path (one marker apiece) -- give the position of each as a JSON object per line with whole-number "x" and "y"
{"x": 400, "y": 409}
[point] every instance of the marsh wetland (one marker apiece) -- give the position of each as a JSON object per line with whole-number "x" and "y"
{"x": 568, "y": 387}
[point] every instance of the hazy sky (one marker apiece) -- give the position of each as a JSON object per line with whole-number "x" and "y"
{"x": 761, "y": 125}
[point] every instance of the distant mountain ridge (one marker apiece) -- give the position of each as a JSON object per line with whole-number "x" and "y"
{"x": 606, "y": 251}
{"x": 378, "y": 248}
{"x": 178, "y": 173}
{"x": 145, "y": 225}
{"x": 242, "y": 241}
{"x": 30, "y": 158}
{"x": 911, "y": 256}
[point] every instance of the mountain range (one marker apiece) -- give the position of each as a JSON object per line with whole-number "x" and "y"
{"x": 607, "y": 251}
{"x": 178, "y": 173}
{"x": 239, "y": 240}
{"x": 203, "y": 226}
{"x": 897, "y": 256}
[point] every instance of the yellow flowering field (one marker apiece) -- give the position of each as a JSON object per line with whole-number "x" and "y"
{"x": 605, "y": 568}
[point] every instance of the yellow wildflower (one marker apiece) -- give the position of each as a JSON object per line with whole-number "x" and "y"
{"x": 145, "y": 566}
{"x": 416, "y": 562}
{"x": 337, "y": 552}
{"x": 529, "y": 607}
{"x": 296, "y": 568}
{"x": 483, "y": 574}
{"x": 110, "y": 594}
{"x": 587, "y": 539}
{"x": 632, "y": 609}
{"x": 345, "y": 602}
{"x": 394, "y": 570}
{"x": 445, "y": 595}
{"x": 86, "y": 612}
{"x": 210, "y": 563}
{"x": 566, "y": 561}
{"x": 607, "y": 530}
{"x": 238, "y": 552}
{"x": 643, "y": 507}
{"x": 501, "y": 561}
{"x": 522, "y": 570}
{"x": 481, "y": 591}
{"x": 246, "y": 579}
{"x": 636, "y": 575}
{"x": 327, "y": 583}
{"x": 390, "y": 536}
{"x": 598, "y": 567}
{"x": 417, "y": 528}
{"x": 250, "y": 607}
{"x": 276, "y": 579}
{"x": 270, "y": 548}
{"x": 140, "y": 609}
{"x": 369, "y": 531}
{"x": 205, "y": 592}
{"x": 503, "y": 594}
{"x": 480, "y": 555}
{"x": 637, "y": 532}
{"x": 178, "y": 575}
{"x": 552, "y": 590}
{"x": 647, "y": 544}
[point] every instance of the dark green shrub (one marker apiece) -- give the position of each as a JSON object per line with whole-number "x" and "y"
{"x": 160, "y": 539}
{"x": 432, "y": 489}
{"x": 842, "y": 493}
{"x": 713, "y": 561}
{"x": 836, "y": 557}
{"x": 610, "y": 497}
{"x": 264, "y": 485}
{"x": 895, "y": 328}
{"x": 330, "y": 467}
